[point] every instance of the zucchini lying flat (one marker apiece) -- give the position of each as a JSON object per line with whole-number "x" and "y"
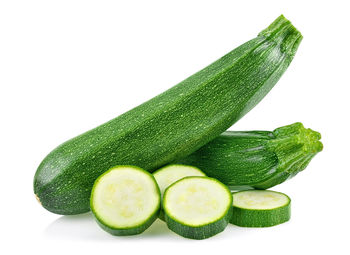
{"x": 125, "y": 200}
{"x": 167, "y": 175}
{"x": 257, "y": 159}
{"x": 260, "y": 208}
{"x": 197, "y": 207}
{"x": 170, "y": 126}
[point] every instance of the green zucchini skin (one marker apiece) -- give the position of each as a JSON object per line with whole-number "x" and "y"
{"x": 170, "y": 126}
{"x": 202, "y": 232}
{"x": 257, "y": 159}
{"x": 261, "y": 218}
{"x": 128, "y": 231}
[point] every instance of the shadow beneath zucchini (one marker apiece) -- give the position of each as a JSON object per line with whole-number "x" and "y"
{"x": 75, "y": 227}
{"x": 84, "y": 227}
{"x": 158, "y": 228}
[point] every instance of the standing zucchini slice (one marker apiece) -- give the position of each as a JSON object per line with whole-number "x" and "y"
{"x": 197, "y": 207}
{"x": 167, "y": 175}
{"x": 125, "y": 200}
{"x": 260, "y": 208}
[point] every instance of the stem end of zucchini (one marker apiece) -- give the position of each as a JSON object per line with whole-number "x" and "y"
{"x": 295, "y": 146}
{"x": 284, "y": 33}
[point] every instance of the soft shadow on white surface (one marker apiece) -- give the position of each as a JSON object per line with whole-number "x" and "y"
{"x": 84, "y": 227}
{"x": 74, "y": 227}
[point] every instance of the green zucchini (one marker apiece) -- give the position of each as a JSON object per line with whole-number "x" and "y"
{"x": 260, "y": 208}
{"x": 169, "y": 174}
{"x": 125, "y": 200}
{"x": 197, "y": 207}
{"x": 257, "y": 159}
{"x": 170, "y": 126}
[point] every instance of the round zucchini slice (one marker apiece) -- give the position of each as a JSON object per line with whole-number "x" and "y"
{"x": 125, "y": 200}
{"x": 197, "y": 207}
{"x": 260, "y": 208}
{"x": 167, "y": 175}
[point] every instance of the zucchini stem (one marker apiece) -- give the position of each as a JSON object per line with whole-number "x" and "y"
{"x": 284, "y": 33}
{"x": 294, "y": 146}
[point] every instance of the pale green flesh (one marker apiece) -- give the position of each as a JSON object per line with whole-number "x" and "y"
{"x": 196, "y": 201}
{"x": 259, "y": 199}
{"x": 172, "y": 173}
{"x": 125, "y": 197}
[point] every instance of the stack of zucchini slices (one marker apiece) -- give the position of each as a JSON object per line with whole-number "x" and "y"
{"x": 126, "y": 200}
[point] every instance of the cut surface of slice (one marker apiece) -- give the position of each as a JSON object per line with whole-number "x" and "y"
{"x": 125, "y": 200}
{"x": 167, "y": 175}
{"x": 260, "y": 208}
{"x": 197, "y": 207}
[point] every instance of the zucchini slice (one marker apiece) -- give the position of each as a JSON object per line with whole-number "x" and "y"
{"x": 167, "y": 175}
{"x": 260, "y": 208}
{"x": 197, "y": 207}
{"x": 125, "y": 200}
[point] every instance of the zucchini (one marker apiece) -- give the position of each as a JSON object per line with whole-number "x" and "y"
{"x": 167, "y": 175}
{"x": 125, "y": 200}
{"x": 170, "y": 126}
{"x": 260, "y": 208}
{"x": 257, "y": 159}
{"x": 197, "y": 207}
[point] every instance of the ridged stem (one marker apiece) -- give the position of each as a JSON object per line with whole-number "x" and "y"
{"x": 282, "y": 32}
{"x": 294, "y": 146}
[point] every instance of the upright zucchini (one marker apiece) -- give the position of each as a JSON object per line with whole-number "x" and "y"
{"x": 170, "y": 126}
{"x": 257, "y": 159}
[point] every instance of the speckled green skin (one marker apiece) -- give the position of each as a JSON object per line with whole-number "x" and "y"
{"x": 257, "y": 159}
{"x": 135, "y": 230}
{"x": 170, "y": 126}
{"x": 261, "y": 218}
{"x": 202, "y": 231}
{"x": 128, "y": 231}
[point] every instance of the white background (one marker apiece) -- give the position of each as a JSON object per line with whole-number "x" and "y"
{"x": 68, "y": 66}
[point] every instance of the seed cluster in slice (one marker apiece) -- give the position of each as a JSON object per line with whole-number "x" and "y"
{"x": 125, "y": 200}
{"x": 260, "y": 208}
{"x": 197, "y": 207}
{"x": 167, "y": 175}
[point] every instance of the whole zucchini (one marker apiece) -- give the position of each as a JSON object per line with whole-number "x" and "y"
{"x": 170, "y": 126}
{"x": 257, "y": 159}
